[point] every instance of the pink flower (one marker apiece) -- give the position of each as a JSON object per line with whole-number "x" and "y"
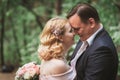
{"x": 27, "y": 71}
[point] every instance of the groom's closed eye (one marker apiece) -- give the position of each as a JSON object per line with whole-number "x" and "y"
{"x": 71, "y": 30}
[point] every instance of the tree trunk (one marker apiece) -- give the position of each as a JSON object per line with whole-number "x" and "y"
{"x": 2, "y": 37}
{"x": 24, "y": 33}
{"x": 29, "y": 7}
{"x": 16, "y": 40}
{"x": 58, "y": 7}
{"x": 118, "y": 5}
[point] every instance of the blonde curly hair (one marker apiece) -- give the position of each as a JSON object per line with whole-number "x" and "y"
{"x": 51, "y": 39}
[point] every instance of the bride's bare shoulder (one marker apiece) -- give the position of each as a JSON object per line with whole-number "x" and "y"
{"x": 58, "y": 66}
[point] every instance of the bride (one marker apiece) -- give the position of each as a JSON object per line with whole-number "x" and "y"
{"x": 55, "y": 40}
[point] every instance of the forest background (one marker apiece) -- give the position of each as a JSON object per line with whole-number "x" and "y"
{"x": 21, "y": 22}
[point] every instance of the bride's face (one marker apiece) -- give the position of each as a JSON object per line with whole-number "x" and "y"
{"x": 68, "y": 38}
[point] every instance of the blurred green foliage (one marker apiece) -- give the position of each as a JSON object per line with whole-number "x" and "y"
{"x": 25, "y": 19}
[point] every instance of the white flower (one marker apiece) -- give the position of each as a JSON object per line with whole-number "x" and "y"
{"x": 27, "y": 75}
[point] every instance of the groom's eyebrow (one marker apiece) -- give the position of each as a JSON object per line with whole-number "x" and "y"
{"x": 70, "y": 24}
{"x": 73, "y": 27}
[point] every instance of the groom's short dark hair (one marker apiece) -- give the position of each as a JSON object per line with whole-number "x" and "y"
{"x": 84, "y": 11}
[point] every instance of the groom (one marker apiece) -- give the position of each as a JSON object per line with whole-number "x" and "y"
{"x": 99, "y": 61}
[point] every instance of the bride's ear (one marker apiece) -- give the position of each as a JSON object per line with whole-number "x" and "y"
{"x": 60, "y": 38}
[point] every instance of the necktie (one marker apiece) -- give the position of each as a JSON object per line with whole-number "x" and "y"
{"x": 79, "y": 53}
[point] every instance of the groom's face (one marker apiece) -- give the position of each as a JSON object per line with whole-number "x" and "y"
{"x": 82, "y": 29}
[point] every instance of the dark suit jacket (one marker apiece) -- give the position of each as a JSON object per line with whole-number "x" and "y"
{"x": 99, "y": 61}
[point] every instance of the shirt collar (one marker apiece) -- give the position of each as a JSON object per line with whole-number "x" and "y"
{"x": 91, "y": 38}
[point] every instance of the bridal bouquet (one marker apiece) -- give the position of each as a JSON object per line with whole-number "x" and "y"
{"x": 29, "y": 71}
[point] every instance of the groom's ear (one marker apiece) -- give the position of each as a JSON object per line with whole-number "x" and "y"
{"x": 92, "y": 22}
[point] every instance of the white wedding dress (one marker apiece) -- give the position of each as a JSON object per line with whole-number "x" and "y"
{"x": 69, "y": 75}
